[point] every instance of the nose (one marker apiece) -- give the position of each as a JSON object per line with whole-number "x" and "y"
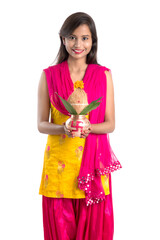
{"x": 78, "y": 43}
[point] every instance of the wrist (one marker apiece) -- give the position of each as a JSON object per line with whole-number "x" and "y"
{"x": 63, "y": 129}
{"x": 92, "y": 128}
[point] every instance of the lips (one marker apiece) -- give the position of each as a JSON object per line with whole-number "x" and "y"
{"x": 77, "y": 51}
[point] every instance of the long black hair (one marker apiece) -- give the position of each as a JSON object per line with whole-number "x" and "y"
{"x": 69, "y": 25}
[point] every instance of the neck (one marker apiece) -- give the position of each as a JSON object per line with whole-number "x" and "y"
{"x": 77, "y": 65}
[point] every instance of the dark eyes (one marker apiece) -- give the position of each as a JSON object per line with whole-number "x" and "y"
{"x": 72, "y": 37}
{"x": 85, "y": 38}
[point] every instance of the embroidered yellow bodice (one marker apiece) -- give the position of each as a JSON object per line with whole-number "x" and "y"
{"x": 62, "y": 162}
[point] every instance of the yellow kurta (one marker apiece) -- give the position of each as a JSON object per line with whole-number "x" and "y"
{"x": 62, "y": 162}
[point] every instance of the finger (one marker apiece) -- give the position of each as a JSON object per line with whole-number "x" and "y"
{"x": 86, "y": 132}
{"x": 68, "y": 130}
{"x": 83, "y": 135}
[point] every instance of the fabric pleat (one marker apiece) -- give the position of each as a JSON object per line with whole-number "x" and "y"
{"x": 71, "y": 219}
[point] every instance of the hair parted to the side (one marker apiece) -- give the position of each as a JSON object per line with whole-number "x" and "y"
{"x": 69, "y": 25}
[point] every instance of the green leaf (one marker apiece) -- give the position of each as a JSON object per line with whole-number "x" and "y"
{"x": 68, "y": 106}
{"x": 91, "y": 106}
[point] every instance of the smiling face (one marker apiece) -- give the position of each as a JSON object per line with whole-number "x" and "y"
{"x": 79, "y": 43}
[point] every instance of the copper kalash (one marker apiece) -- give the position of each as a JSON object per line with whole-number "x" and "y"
{"x": 78, "y": 99}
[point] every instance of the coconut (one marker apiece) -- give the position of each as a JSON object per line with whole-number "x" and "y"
{"x": 78, "y": 99}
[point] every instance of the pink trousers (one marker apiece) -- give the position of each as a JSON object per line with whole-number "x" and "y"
{"x": 71, "y": 219}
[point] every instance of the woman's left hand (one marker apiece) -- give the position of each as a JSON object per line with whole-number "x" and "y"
{"x": 85, "y": 133}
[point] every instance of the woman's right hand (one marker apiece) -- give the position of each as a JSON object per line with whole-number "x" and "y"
{"x": 68, "y": 132}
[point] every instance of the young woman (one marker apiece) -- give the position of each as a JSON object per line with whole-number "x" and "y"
{"x": 76, "y": 178}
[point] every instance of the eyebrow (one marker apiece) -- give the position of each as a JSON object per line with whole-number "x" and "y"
{"x": 81, "y": 36}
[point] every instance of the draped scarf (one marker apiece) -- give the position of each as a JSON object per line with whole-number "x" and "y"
{"x": 98, "y": 157}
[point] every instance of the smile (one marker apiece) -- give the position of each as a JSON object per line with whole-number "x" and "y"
{"x": 77, "y": 51}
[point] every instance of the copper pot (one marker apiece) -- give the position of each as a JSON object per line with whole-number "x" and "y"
{"x": 77, "y": 123}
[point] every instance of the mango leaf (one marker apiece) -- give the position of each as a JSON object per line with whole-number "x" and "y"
{"x": 91, "y": 106}
{"x": 68, "y": 106}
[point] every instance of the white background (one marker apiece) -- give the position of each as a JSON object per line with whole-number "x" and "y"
{"x": 128, "y": 35}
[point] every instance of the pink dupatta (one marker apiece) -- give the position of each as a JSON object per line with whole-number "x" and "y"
{"x": 98, "y": 157}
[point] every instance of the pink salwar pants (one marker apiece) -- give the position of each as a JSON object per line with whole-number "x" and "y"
{"x": 71, "y": 219}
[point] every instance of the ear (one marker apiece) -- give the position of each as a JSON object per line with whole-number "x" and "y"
{"x": 63, "y": 39}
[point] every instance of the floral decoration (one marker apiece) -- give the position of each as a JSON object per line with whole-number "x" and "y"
{"x": 47, "y": 151}
{"x": 78, "y": 152}
{"x": 61, "y": 166}
{"x": 75, "y": 183}
{"x": 59, "y": 194}
{"x": 62, "y": 138}
{"x": 79, "y": 84}
{"x": 46, "y": 181}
